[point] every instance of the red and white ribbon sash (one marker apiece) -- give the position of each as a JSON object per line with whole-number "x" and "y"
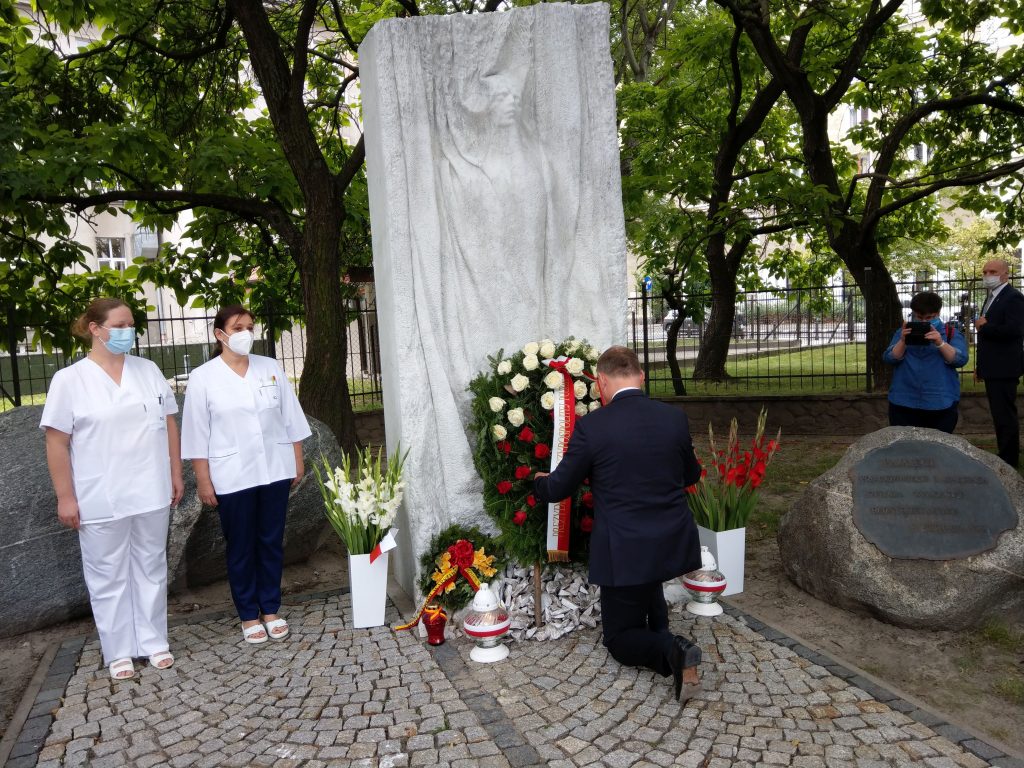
{"x": 559, "y": 513}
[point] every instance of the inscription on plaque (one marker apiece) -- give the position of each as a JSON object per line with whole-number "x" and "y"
{"x": 920, "y": 500}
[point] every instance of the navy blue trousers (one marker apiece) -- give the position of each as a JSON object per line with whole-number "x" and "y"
{"x": 634, "y": 621}
{"x": 253, "y": 525}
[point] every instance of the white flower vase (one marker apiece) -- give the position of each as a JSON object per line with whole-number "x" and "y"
{"x": 729, "y": 548}
{"x": 368, "y": 586}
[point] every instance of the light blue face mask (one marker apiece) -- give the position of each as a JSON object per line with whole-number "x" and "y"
{"x": 121, "y": 339}
{"x": 937, "y": 324}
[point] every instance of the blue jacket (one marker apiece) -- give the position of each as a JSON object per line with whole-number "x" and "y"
{"x": 923, "y": 379}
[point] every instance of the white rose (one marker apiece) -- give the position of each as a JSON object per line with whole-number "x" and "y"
{"x": 595, "y": 405}
{"x": 594, "y": 393}
{"x": 505, "y": 367}
{"x": 547, "y": 401}
{"x": 530, "y": 362}
{"x": 581, "y": 409}
{"x": 575, "y": 366}
{"x": 515, "y": 417}
{"x": 497, "y": 404}
{"x": 554, "y": 380}
{"x": 579, "y": 388}
{"x": 499, "y": 432}
{"x": 531, "y": 348}
{"x": 547, "y": 348}
{"x": 519, "y": 382}
{"x": 571, "y": 346}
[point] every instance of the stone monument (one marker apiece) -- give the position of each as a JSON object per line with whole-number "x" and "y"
{"x": 493, "y": 168}
{"x": 914, "y": 526}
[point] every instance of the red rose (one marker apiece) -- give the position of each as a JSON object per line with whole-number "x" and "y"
{"x": 522, "y": 472}
{"x": 541, "y": 451}
{"x": 588, "y": 500}
{"x": 504, "y": 487}
{"x": 519, "y": 517}
{"x": 461, "y": 553}
{"x": 526, "y": 435}
{"x": 587, "y": 524}
{"x": 504, "y": 446}
{"x": 531, "y": 500}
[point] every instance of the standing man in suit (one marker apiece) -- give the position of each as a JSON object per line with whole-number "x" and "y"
{"x": 639, "y": 457}
{"x": 1001, "y": 355}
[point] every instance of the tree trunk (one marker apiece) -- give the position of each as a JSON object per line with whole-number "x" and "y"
{"x": 714, "y": 344}
{"x": 883, "y": 312}
{"x": 671, "y": 345}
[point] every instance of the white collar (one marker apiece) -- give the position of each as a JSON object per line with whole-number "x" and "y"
{"x": 624, "y": 389}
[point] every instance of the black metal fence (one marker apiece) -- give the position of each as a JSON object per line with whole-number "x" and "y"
{"x": 181, "y": 342}
{"x": 783, "y": 340}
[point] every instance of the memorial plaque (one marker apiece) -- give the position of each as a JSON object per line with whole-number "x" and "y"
{"x": 920, "y": 500}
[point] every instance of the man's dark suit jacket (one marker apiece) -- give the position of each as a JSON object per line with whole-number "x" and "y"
{"x": 639, "y": 457}
{"x": 1001, "y": 338}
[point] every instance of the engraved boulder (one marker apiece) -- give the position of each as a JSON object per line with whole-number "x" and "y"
{"x": 913, "y": 526}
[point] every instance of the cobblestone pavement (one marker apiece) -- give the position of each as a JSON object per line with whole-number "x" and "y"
{"x": 333, "y": 696}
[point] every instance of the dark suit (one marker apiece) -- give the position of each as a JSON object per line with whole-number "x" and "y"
{"x": 639, "y": 457}
{"x": 1000, "y": 363}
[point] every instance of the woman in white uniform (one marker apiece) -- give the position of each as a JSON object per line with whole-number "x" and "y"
{"x": 113, "y": 453}
{"x": 243, "y": 430}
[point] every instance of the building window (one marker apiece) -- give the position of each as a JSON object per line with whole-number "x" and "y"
{"x": 110, "y": 253}
{"x": 859, "y": 115}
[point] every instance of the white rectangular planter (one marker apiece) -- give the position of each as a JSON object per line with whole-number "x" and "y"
{"x": 368, "y": 585}
{"x": 729, "y": 549}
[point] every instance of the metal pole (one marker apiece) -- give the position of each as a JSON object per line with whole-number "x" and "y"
{"x": 12, "y": 341}
{"x": 647, "y": 351}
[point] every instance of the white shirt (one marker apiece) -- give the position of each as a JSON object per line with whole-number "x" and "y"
{"x": 243, "y": 425}
{"x": 120, "y": 460}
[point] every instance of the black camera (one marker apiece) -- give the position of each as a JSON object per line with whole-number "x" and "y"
{"x": 918, "y": 328}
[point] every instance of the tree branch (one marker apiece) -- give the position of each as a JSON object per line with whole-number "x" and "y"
{"x": 301, "y": 47}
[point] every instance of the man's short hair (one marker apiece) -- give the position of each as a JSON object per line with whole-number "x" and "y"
{"x": 619, "y": 362}
{"x": 926, "y": 302}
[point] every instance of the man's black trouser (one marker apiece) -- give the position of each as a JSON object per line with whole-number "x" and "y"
{"x": 635, "y": 625}
{"x": 1002, "y": 402}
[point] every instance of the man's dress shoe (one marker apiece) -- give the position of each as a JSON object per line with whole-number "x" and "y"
{"x": 684, "y": 655}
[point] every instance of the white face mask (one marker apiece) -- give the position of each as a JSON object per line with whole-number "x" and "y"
{"x": 241, "y": 342}
{"x": 992, "y": 281}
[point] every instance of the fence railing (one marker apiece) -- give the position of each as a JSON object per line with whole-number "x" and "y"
{"x": 783, "y": 340}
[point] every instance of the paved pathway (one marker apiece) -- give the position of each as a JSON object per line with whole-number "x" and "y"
{"x": 334, "y": 696}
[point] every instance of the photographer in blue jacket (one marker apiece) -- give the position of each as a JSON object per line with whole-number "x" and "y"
{"x": 925, "y": 352}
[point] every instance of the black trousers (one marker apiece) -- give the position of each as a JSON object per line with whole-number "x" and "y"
{"x": 943, "y": 420}
{"x": 635, "y": 626}
{"x": 1002, "y": 403}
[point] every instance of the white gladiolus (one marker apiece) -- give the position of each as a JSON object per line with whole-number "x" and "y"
{"x": 579, "y": 389}
{"x": 547, "y": 401}
{"x": 575, "y": 366}
{"x": 505, "y": 367}
{"x": 497, "y": 404}
{"x": 581, "y": 409}
{"x": 554, "y": 380}
{"x": 499, "y": 432}
{"x": 519, "y": 382}
{"x": 595, "y": 405}
{"x": 530, "y": 362}
{"x": 516, "y": 417}
{"x": 594, "y": 393}
{"x": 547, "y": 348}
{"x": 531, "y": 348}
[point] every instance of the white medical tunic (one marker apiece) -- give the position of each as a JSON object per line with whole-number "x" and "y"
{"x": 244, "y": 426}
{"x": 120, "y": 461}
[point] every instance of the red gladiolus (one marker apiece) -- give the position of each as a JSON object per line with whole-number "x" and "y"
{"x": 519, "y": 517}
{"x": 522, "y": 472}
{"x": 703, "y": 474}
{"x": 587, "y": 524}
{"x": 588, "y": 500}
{"x": 531, "y": 500}
{"x": 526, "y": 435}
{"x": 691, "y": 488}
{"x": 504, "y": 487}
{"x": 504, "y": 446}
{"x": 541, "y": 451}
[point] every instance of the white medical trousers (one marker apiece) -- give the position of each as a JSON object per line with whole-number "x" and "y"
{"x": 125, "y": 565}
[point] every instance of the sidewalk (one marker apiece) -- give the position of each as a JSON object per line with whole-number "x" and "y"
{"x": 333, "y": 696}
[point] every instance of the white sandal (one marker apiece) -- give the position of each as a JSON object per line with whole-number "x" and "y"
{"x": 255, "y": 634}
{"x": 277, "y": 624}
{"x": 157, "y": 660}
{"x": 118, "y": 667}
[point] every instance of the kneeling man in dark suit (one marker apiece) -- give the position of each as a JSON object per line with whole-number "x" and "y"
{"x": 639, "y": 457}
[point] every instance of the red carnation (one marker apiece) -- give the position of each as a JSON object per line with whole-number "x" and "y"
{"x": 587, "y": 524}
{"x": 504, "y": 487}
{"x": 541, "y": 451}
{"x": 522, "y": 472}
{"x": 526, "y": 435}
{"x": 504, "y": 446}
{"x": 531, "y": 500}
{"x": 519, "y": 517}
{"x": 588, "y": 500}
{"x": 461, "y": 553}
